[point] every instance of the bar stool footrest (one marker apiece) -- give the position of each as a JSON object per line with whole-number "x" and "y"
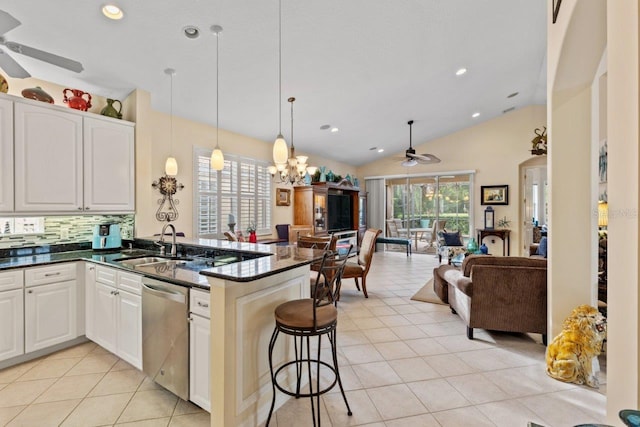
{"x": 305, "y": 361}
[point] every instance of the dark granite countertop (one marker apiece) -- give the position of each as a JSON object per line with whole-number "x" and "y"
{"x": 269, "y": 260}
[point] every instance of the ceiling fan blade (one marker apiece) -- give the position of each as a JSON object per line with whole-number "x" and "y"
{"x": 11, "y": 67}
{"x": 7, "y": 22}
{"x": 60, "y": 61}
{"x": 424, "y": 158}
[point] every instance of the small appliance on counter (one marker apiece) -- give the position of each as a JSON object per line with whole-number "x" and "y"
{"x": 106, "y": 236}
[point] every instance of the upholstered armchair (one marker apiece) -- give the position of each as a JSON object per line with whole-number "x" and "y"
{"x": 360, "y": 269}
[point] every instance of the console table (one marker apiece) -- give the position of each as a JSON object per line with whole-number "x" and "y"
{"x": 500, "y": 233}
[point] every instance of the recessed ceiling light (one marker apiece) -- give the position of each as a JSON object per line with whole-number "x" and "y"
{"x": 334, "y": 130}
{"x": 509, "y": 109}
{"x": 474, "y": 115}
{"x": 461, "y": 71}
{"x": 112, "y": 11}
{"x": 380, "y": 150}
{"x": 373, "y": 148}
{"x": 325, "y": 127}
{"x": 513, "y": 94}
{"x": 191, "y": 32}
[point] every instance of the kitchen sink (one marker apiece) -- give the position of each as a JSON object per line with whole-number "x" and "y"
{"x": 150, "y": 260}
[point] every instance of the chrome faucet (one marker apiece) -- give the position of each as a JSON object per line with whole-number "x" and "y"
{"x": 174, "y": 248}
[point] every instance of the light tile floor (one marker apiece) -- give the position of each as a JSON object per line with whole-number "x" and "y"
{"x": 403, "y": 363}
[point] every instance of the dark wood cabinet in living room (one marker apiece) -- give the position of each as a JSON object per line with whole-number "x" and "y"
{"x": 327, "y": 206}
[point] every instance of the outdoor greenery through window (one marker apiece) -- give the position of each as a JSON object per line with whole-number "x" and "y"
{"x": 12, "y": 226}
{"x": 419, "y": 201}
{"x": 240, "y": 193}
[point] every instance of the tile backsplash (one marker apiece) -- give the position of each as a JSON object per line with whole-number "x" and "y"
{"x": 68, "y": 229}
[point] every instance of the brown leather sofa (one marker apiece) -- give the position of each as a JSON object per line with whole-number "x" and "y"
{"x": 496, "y": 293}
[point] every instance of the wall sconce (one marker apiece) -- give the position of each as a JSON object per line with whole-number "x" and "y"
{"x": 489, "y": 218}
{"x": 168, "y": 186}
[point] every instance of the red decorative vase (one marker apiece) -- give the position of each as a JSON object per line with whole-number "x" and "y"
{"x": 76, "y": 101}
{"x": 252, "y": 237}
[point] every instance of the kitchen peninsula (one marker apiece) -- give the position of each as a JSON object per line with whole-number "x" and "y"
{"x": 242, "y": 299}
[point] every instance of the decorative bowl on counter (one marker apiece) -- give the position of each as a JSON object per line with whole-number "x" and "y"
{"x": 38, "y": 94}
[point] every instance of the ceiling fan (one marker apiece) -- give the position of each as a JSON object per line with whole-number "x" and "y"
{"x": 11, "y": 67}
{"x": 412, "y": 159}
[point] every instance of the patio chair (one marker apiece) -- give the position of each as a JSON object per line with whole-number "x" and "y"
{"x": 432, "y": 235}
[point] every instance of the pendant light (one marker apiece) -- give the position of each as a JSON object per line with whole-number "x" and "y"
{"x": 171, "y": 165}
{"x": 280, "y": 150}
{"x": 217, "y": 158}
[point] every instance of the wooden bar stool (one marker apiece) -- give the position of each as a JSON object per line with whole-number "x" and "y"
{"x": 306, "y": 318}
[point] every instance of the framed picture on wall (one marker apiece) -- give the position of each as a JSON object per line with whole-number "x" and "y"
{"x": 283, "y": 197}
{"x": 494, "y": 194}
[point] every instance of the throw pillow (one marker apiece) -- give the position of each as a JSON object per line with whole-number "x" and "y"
{"x": 542, "y": 247}
{"x": 452, "y": 239}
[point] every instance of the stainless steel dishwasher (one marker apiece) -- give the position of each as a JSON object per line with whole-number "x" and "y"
{"x": 165, "y": 335}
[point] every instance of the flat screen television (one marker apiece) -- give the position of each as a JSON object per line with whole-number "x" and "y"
{"x": 339, "y": 212}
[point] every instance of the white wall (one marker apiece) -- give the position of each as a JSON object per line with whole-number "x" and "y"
{"x": 494, "y": 148}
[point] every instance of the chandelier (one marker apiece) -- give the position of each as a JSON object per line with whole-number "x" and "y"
{"x": 294, "y": 169}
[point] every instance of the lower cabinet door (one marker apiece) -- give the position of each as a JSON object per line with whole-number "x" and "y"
{"x": 199, "y": 381}
{"x": 129, "y": 335}
{"x": 50, "y": 315}
{"x": 11, "y": 321}
{"x": 104, "y": 316}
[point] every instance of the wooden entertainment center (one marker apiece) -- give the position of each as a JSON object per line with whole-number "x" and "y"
{"x": 326, "y": 205}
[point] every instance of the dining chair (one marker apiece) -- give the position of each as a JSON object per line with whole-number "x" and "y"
{"x": 360, "y": 269}
{"x": 231, "y": 236}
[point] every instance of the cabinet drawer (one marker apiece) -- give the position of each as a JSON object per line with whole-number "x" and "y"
{"x": 13, "y": 279}
{"x": 50, "y": 274}
{"x": 130, "y": 282}
{"x": 106, "y": 275}
{"x": 199, "y": 303}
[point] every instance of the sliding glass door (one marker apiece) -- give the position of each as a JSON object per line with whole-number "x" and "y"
{"x": 422, "y": 206}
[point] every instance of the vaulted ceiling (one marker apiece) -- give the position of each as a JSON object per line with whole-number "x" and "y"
{"x": 363, "y": 66}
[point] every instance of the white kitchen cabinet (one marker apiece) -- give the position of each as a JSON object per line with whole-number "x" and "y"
{"x": 117, "y": 313}
{"x": 89, "y": 299}
{"x": 50, "y": 315}
{"x": 109, "y": 166}
{"x": 50, "y": 305}
{"x": 65, "y": 161}
{"x": 199, "y": 349}
{"x": 104, "y": 316}
{"x": 11, "y": 314}
{"x": 6, "y": 156}
{"x": 48, "y": 159}
{"x": 129, "y": 328}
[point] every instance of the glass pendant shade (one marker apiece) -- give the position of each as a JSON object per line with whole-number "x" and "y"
{"x": 171, "y": 166}
{"x": 280, "y": 150}
{"x": 272, "y": 170}
{"x": 312, "y": 170}
{"x": 217, "y": 160}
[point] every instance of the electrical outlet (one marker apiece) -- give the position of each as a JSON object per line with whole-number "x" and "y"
{"x": 64, "y": 233}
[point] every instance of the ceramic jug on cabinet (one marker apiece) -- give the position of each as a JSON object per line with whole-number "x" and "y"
{"x": 110, "y": 110}
{"x": 76, "y": 101}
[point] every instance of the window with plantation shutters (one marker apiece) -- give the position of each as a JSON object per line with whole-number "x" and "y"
{"x": 241, "y": 189}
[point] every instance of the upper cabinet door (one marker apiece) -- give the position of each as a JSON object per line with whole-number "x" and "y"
{"x": 48, "y": 159}
{"x": 109, "y": 166}
{"x": 6, "y": 155}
